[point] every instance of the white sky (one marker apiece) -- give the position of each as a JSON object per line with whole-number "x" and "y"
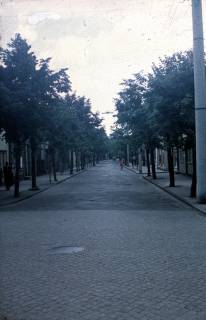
{"x": 100, "y": 41}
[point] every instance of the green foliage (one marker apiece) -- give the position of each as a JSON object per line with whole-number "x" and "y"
{"x": 117, "y": 143}
{"x": 37, "y": 105}
{"x": 135, "y": 117}
{"x": 171, "y": 95}
{"x": 74, "y": 126}
{"x": 158, "y": 108}
{"x": 17, "y": 73}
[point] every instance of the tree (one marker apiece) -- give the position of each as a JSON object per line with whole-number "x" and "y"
{"x": 158, "y": 109}
{"x": 117, "y": 143}
{"x": 168, "y": 86}
{"x": 52, "y": 86}
{"x": 37, "y": 106}
{"x": 34, "y": 90}
{"x": 17, "y": 70}
{"x": 136, "y": 117}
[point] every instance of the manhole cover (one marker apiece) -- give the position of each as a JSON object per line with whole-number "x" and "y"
{"x": 65, "y": 249}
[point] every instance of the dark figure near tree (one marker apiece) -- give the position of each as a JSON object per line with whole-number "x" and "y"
{"x": 8, "y": 176}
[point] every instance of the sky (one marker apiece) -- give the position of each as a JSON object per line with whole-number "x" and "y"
{"x": 101, "y": 42}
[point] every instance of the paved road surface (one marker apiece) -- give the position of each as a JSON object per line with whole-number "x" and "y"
{"x": 144, "y": 253}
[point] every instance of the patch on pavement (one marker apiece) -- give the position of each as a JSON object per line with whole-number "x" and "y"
{"x": 65, "y": 249}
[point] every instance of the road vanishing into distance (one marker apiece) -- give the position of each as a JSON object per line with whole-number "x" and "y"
{"x": 103, "y": 245}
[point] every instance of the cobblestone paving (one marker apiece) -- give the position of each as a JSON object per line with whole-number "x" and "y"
{"x": 144, "y": 252}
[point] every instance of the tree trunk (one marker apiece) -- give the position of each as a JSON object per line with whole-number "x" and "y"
{"x": 154, "y": 175}
{"x": 77, "y": 160}
{"x": 82, "y": 161}
{"x": 49, "y": 169}
{"x": 140, "y": 160}
{"x": 194, "y": 175}
{"x": 33, "y": 166}
{"x": 148, "y": 163}
{"x": 53, "y": 157}
{"x": 171, "y": 166}
{"x": 17, "y": 170}
{"x": 93, "y": 161}
{"x": 178, "y": 160}
{"x": 72, "y": 163}
{"x": 186, "y": 162}
{"x": 137, "y": 160}
{"x": 97, "y": 159}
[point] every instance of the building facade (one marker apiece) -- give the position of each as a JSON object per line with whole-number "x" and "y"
{"x": 182, "y": 160}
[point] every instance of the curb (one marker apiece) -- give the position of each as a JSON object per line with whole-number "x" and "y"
{"x": 200, "y": 211}
{"x": 42, "y": 190}
{"x": 135, "y": 171}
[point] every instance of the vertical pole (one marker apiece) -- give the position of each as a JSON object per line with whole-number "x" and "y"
{"x": 200, "y": 99}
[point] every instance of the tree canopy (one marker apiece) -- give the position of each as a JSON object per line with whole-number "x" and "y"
{"x": 38, "y": 106}
{"x": 158, "y": 108}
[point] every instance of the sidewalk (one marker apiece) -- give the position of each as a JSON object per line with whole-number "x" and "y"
{"x": 7, "y": 197}
{"x": 181, "y": 191}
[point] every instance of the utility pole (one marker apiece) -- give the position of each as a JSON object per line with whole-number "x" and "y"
{"x": 200, "y": 99}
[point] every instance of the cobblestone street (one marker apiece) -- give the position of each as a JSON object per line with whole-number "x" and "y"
{"x": 143, "y": 257}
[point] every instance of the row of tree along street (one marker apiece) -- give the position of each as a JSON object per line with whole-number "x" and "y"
{"x": 38, "y": 107}
{"x": 156, "y": 110}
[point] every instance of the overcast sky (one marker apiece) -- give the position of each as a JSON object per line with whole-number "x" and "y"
{"x": 100, "y": 41}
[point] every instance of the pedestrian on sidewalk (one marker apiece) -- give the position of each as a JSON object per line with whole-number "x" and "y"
{"x": 8, "y": 176}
